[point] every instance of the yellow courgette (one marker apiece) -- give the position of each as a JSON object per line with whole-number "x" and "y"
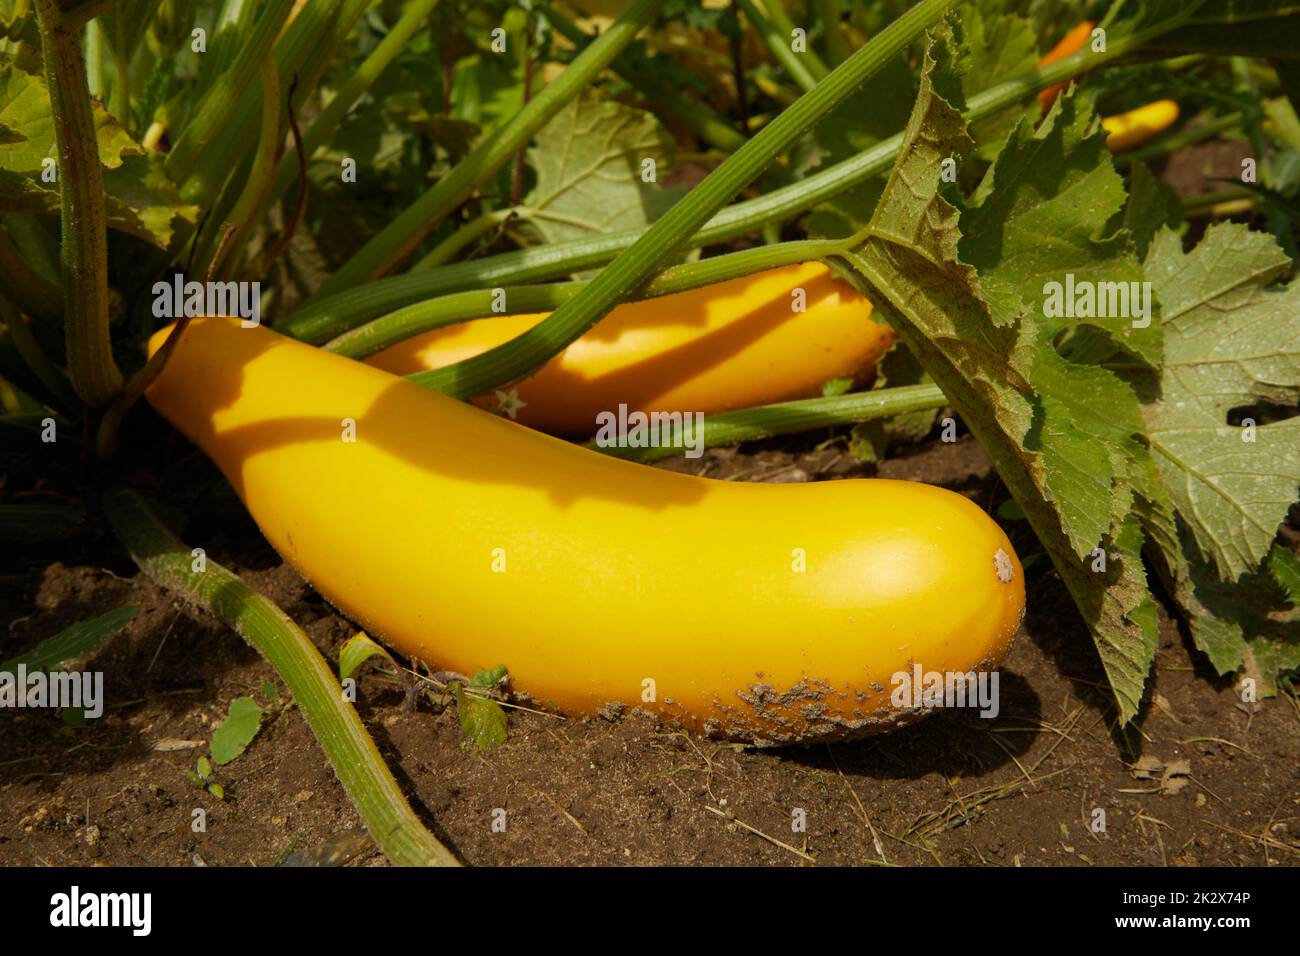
{"x": 769, "y": 613}
{"x": 731, "y": 345}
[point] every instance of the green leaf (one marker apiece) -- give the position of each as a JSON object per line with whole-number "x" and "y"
{"x": 1151, "y": 206}
{"x": 358, "y": 649}
{"x": 73, "y": 643}
{"x": 139, "y": 198}
{"x": 1244, "y": 625}
{"x": 25, "y": 36}
{"x": 1229, "y": 29}
{"x": 1062, "y": 435}
{"x": 1040, "y": 213}
{"x": 1010, "y": 511}
{"x": 487, "y": 90}
{"x": 1284, "y": 565}
{"x": 25, "y": 111}
{"x": 488, "y": 680}
{"x": 836, "y": 386}
{"x": 588, "y": 161}
{"x": 127, "y": 21}
{"x": 236, "y": 732}
{"x": 1000, "y": 46}
{"x": 1230, "y": 342}
{"x": 482, "y": 721}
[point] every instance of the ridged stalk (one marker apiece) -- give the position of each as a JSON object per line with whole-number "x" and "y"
{"x": 356, "y": 760}
{"x": 84, "y": 252}
{"x": 789, "y": 418}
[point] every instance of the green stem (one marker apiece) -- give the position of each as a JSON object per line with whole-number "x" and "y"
{"x": 210, "y": 120}
{"x": 326, "y": 123}
{"x": 245, "y": 212}
{"x": 356, "y": 760}
{"x": 793, "y": 62}
{"x": 776, "y": 12}
{"x": 330, "y": 316}
{"x": 403, "y": 234}
{"x": 94, "y": 374}
{"x": 788, "y": 418}
{"x": 233, "y": 22}
{"x": 479, "y": 304}
{"x": 1223, "y": 202}
{"x": 520, "y": 356}
{"x": 467, "y": 235}
{"x": 312, "y": 51}
{"x": 837, "y": 46}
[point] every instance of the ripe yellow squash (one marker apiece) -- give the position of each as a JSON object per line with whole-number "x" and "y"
{"x": 1133, "y": 128}
{"x": 757, "y": 612}
{"x": 730, "y": 345}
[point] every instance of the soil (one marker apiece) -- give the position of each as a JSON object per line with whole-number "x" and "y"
{"x": 1217, "y": 781}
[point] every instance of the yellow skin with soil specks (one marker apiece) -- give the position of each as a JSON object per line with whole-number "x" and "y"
{"x": 468, "y": 541}
{"x": 730, "y": 345}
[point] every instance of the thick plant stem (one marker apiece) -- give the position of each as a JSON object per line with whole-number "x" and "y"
{"x": 396, "y": 241}
{"x": 788, "y": 418}
{"x": 356, "y": 760}
{"x": 94, "y": 373}
{"x": 674, "y": 229}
